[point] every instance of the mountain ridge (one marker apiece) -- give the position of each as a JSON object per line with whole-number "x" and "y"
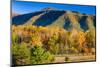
{"x": 54, "y": 17}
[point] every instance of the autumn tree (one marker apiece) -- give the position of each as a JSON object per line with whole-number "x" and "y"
{"x": 90, "y": 40}
{"x": 82, "y": 42}
{"x": 52, "y": 44}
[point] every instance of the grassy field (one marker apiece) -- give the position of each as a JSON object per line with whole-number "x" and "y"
{"x": 73, "y": 58}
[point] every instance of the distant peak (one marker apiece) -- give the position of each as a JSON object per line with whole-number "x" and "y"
{"x": 48, "y": 9}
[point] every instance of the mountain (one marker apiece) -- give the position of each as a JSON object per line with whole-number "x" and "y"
{"x": 14, "y": 14}
{"x": 60, "y": 18}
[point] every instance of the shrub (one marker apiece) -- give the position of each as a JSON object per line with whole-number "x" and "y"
{"x": 66, "y": 59}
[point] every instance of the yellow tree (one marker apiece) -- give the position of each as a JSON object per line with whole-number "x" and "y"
{"x": 81, "y": 39}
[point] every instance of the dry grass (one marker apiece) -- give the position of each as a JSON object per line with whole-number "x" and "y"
{"x": 73, "y": 58}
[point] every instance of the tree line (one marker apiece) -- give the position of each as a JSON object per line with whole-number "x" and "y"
{"x": 38, "y": 44}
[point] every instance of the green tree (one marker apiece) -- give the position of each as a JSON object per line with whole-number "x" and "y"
{"x": 39, "y": 55}
{"x": 20, "y": 54}
{"x": 53, "y": 44}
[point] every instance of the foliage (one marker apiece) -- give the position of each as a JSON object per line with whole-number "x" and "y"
{"x": 38, "y": 44}
{"x": 39, "y": 55}
{"x": 21, "y": 54}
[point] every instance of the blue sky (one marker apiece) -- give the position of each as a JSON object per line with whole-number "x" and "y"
{"x": 22, "y": 7}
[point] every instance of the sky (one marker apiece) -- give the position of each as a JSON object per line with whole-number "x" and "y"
{"x": 23, "y": 7}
